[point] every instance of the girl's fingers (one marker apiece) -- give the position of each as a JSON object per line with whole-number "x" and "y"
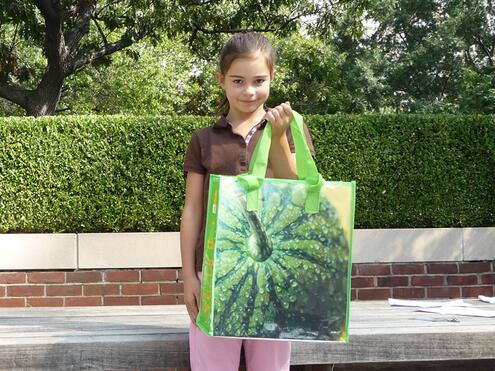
{"x": 287, "y": 108}
{"x": 196, "y": 304}
{"x": 281, "y": 109}
{"x": 280, "y": 114}
{"x": 192, "y": 309}
{"x": 284, "y": 111}
{"x": 193, "y": 315}
{"x": 276, "y": 114}
{"x": 279, "y": 117}
{"x": 269, "y": 116}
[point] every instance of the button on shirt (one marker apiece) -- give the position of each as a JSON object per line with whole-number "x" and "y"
{"x": 218, "y": 150}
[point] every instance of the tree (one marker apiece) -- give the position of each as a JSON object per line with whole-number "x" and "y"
{"x": 159, "y": 82}
{"x": 308, "y": 75}
{"x": 476, "y": 27}
{"x": 428, "y": 44}
{"x": 414, "y": 55}
{"x": 72, "y": 35}
{"x": 168, "y": 79}
{"x": 423, "y": 59}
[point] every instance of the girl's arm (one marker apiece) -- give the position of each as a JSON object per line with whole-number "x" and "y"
{"x": 282, "y": 160}
{"x": 189, "y": 231}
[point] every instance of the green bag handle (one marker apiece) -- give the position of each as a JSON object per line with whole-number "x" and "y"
{"x": 305, "y": 165}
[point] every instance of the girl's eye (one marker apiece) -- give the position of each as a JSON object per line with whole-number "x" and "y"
{"x": 237, "y": 81}
{"x": 260, "y": 81}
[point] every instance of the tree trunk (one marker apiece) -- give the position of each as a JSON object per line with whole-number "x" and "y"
{"x": 43, "y": 101}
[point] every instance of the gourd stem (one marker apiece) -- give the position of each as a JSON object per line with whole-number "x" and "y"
{"x": 259, "y": 245}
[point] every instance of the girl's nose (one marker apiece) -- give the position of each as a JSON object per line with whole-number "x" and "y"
{"x": 250, "y": 89}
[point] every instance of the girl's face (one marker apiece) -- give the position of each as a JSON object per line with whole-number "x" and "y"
{"x": 247, "y": 84}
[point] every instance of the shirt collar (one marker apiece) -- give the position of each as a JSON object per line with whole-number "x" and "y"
{"x": 222, "y": 121}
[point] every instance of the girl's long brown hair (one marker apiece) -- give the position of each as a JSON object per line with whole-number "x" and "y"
{"x": 241, "y": 45}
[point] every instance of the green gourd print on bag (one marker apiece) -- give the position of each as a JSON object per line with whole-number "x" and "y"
{"x": 280, "y": 273}
{"x": 277, "y": 251}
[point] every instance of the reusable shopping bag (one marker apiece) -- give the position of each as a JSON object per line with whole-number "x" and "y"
{"x": 277, "y": 259}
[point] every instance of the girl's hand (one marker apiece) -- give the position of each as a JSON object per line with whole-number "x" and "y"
{"x": 192, "y": 288}
{"x": 279, "y": 118}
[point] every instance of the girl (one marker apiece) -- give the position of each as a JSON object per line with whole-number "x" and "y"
{"x": 246, "y": 72}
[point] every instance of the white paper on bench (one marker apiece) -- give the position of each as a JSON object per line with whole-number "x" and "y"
{"x": 427, "y": 304}
{"x": 487, "y": 299}
{"x": 460, "y": 311}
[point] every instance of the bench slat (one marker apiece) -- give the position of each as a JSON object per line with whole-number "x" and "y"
{"x": 157, "y": 337}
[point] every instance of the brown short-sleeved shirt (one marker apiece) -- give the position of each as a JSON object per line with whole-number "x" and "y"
{"x": 218, "y": 150}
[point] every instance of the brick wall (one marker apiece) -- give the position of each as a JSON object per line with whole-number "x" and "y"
{"x": 89, "y": 288}
{"x": 164, "y": 286}
{"x": 423, "y": 280}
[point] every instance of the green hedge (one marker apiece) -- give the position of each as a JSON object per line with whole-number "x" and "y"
{"x": 121, "y": 173}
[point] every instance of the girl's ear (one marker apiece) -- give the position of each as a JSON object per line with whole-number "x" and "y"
{"x": 220, "y": 78}
{"x": 274, "y": 73}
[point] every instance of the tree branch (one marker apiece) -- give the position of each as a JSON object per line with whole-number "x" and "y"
{"x": 404, "y": 39}
{"x": 236, "y": 30}
{"x": 469, "y": 60}
{"x": 54, "y": 45}
{"x": 106, "y": 6}
{"x": 13, "y": 39}
{"x": 8, "y": 62}
{"x": 100, "y": 31}
{"x": 444, "y": 86}
{"x": 205, "y": 2}
{"x": 15, "y": 94}
{"x": 74, "y": 35}
{"x": 104, "y": 50}
{"x": 293, "y": 11}
{"x": 487, "y": 53}
{"x": 70, "y": 12}
{"x": 267, "y": 19}
{"x": 46, "y": 9}
{"x": 290, "y": 20}
{"x": 193, "y": 36}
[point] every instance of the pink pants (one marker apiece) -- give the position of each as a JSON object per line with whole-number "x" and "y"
{"x": 211, "y": 353}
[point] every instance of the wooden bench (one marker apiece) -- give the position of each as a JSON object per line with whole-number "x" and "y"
{"x": 145, "y": 337}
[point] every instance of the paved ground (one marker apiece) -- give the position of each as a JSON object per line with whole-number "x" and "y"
{"x": 477, "y": 365}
